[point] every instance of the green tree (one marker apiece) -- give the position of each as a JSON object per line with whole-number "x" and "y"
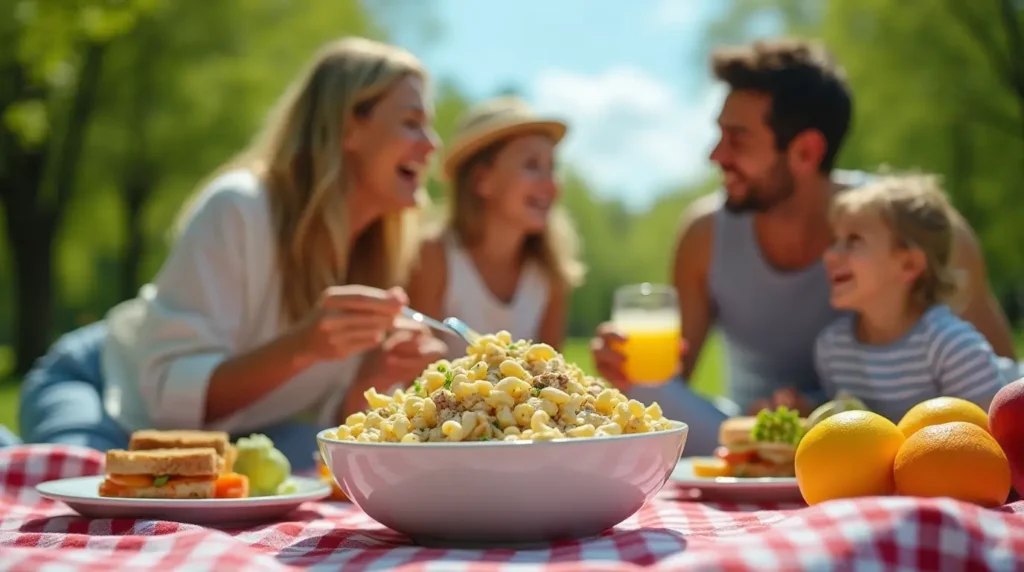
{"x": 116, "y": 111}
{"x": 51, "y": 54}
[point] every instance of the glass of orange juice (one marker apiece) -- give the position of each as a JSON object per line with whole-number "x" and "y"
{"x": 648, "y": 315}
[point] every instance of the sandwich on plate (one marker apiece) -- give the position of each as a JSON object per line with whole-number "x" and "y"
{"x": 161, "y": 474}
{"x": 753, "y": 447}
{"x": 187, "y": 439}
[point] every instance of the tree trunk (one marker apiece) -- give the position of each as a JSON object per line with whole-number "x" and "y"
{"x": 33, "y": 215}
{"x": 135, "y": 193}
{"x": 30, "y": 234}
{"x": 32, "y": 239}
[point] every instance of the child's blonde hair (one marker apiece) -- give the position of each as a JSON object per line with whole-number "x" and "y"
{"x": 916, "y": 210}
{"x": 557, "y": 248}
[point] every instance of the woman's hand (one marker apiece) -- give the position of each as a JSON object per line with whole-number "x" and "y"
{"x": 407, "y": 351}
{"x": 346, "y": 321}
{"x": 404, "y": 354}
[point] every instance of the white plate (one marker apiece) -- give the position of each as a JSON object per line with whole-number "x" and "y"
{"x": 499, "y": 493}
{"x": 735, "y": 489}
{"x": 82, "y": 495}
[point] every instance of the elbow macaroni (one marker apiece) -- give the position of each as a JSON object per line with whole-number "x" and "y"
{"x": 501, "y": 390}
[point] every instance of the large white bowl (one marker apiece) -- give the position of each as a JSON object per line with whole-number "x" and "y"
{"x": 505, "y": 493}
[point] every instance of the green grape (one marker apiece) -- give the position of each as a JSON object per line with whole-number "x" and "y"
{"x": 266, "y": 467}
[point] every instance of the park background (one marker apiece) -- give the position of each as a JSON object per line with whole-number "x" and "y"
{"x": 112, "y": 110}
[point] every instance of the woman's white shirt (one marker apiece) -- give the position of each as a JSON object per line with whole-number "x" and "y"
{"x": 217, "y": 295}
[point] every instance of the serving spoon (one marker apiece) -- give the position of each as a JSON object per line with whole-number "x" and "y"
{"x": 450, "y": 324}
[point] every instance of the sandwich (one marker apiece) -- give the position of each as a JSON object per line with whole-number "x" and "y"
{"x": 185, "y": 439}
{"x": 161, "y": 474}
{"x": 761, "y": 446}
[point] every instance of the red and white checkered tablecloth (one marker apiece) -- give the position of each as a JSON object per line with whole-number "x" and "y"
{"x": 667, "y": 534}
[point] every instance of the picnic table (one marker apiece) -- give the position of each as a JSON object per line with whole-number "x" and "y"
{"x": 670, "y": 533}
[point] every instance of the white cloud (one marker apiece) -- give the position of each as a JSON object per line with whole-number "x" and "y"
{"x": 630, "y": 134}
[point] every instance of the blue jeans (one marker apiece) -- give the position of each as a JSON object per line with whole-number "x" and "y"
{"x": 679, "y": 402}
{"x": 61, "y": 402}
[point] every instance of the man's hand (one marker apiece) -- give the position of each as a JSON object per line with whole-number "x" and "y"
{"x": 607, "y": 359}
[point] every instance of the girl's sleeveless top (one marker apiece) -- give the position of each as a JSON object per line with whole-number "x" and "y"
{"x": 468, "y": 298}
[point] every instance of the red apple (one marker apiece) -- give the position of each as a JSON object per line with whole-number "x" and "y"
{"x": 1006, "y": 422}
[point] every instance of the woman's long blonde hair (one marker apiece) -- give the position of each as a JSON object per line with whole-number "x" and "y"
{"x": 298, "y": 157}
{"x": 557, "y": 249}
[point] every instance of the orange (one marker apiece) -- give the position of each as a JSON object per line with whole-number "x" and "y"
{"x": 710, "y": 468}
{"x": 849, "y": 454}
{"x": 958, "y": 460}
{"x": 942, "y": 410}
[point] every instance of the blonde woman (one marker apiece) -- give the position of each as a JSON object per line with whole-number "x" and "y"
{"x": 277, "y": 302}
{"x": 506, "y": 258}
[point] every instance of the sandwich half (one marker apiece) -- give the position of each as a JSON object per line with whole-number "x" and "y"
{"x": 187, "y": 439}
{"x": 762, "y": 446}
{"x": 161, "y": 474}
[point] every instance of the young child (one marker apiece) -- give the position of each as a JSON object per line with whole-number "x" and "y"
{"x": 890, "y": 266}
{"x": 506, "y": 257}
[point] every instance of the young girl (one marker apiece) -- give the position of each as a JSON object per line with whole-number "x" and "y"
{"x": 506, "y": 258}
{"x": 890, "y": 267}
{"x": 275, "y": 309}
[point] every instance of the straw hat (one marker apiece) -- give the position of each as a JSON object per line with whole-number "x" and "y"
{"x": 492, "y": 121}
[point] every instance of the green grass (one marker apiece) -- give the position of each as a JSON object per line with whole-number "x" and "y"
{"x": 9, "y": 405}
{"x": 707, "y": 379}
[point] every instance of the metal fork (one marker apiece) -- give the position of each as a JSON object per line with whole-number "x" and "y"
{"x": 451, "y": 325}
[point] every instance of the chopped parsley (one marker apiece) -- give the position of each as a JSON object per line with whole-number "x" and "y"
{"x": 161, "y": 480}
{"x": 449, "y": 377}
{"x": 494, "y": 422}
{"x": 442, "y": 368}
{"x": 417, "y": 386}
{"x": 535, "y": 391}
{"x": 485, "y": 438}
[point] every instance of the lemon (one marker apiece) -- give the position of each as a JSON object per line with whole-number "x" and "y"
{"x": 942, "y": 410}
{"x": 849, "y": 454}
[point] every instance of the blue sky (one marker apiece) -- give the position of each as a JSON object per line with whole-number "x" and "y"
{"x": 629, "y": 76}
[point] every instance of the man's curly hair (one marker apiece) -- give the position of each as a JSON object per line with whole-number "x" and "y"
{"x": 807, "y": 89}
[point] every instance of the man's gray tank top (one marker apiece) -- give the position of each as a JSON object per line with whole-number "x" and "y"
{"x": 769, "y": 318}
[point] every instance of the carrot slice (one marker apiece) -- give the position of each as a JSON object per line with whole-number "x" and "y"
{"x": 232, "y": 486}
{"x": 327, "y": 477}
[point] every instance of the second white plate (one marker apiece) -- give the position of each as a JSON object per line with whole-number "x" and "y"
{"x": 735, "y": 489}
{"x": 82, "y": 495}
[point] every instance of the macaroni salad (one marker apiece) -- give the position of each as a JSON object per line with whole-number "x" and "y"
{"x": 501, "y": 390}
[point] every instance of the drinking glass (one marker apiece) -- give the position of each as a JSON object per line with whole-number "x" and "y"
{"x": 648, "y": 315}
